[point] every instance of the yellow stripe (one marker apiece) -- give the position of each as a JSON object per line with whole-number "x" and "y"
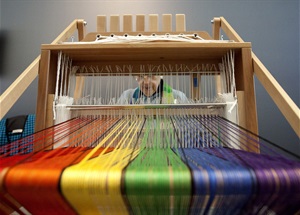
{"x": 102, "y": 142}
{"x": 94, "y": 185}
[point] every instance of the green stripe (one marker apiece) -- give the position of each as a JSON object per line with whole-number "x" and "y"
{"x": 157, "y": 181}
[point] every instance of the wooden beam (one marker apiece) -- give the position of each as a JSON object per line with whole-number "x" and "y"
{"x": 241, "y": 109}
{"x": 17, "y": 88}
{"x": 43, "y": 85}
{"x": 67, "y": 33}
{"x": 229, "y": 31}
{"x": 81, "y": 29}
{"x": 216, "y": 28}
{"x": 285, "y": 104}
{"x": 249, "y": 91}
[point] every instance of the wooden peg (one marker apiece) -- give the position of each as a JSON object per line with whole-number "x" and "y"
{"x": 167, "y": 22}
{"x": 216, "y": 28}
{"x": 153, "y": 22}
{"x": 127, "y": 23}
{"x": 115, "y": 23}
{"x": 101, "y": 23}
{"x": 180, "y": 23}
{"x": 81, "y": 29}
{"x": 140, "y": 23}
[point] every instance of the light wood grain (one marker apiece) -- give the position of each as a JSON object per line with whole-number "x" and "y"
{"x": 15, "y": 90}
{"x": 229, "y": 31}
{"x": 92, "y": 35}
{"x": 81, "y": 29}
{"x": 101, "y": 23}
{"x": 167, "y": 22}
{"x": 180, "y": 23}
{"x": 216, "y": 26}
{"x": 140, "y": 22}
{"x": 249, "y": 91}
{"x": 43, "y": 91}
{"x": 282, "y": 100}
{"x": 127, "y": 23}
{"x": 115, "y": 23}
{"x": 153, "y": 22}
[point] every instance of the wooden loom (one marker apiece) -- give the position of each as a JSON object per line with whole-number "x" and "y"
{"x": 211, "y": 53}
{"x": 246, "y": 64}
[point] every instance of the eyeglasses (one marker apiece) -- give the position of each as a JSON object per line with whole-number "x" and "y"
{"x": 148, "y": 78}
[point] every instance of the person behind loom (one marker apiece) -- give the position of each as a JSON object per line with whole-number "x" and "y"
{"x": 152, "y": 90}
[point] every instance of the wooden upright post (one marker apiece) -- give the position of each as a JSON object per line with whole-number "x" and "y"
{"x": 127, "y": 23}
{"x": 180, "y": 23}
{"x": 101, "y": 23}
{"x": 153, "y": 22}
{"x": 115, "y": 23}
{"x": 167, "y": 22}
{"x": 140, "y": 23}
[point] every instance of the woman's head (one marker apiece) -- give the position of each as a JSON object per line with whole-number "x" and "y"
{"x": 148, "y": 84}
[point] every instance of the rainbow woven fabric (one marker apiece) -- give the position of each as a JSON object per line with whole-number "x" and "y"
{"x": 147, "y": 165}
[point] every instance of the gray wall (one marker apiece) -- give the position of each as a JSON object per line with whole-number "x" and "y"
{"x": 271, "y": 25}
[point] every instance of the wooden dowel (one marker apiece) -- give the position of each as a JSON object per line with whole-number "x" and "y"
{"x": 79, "y": 86}
{"x": 218, "y": 84}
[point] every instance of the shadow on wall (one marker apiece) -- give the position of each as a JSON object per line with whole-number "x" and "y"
{"x": 3, "y": 45}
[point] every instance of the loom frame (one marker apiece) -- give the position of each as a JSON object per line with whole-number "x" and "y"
{"x": 282, "y": 100}
{"x": 154, "y": 53}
